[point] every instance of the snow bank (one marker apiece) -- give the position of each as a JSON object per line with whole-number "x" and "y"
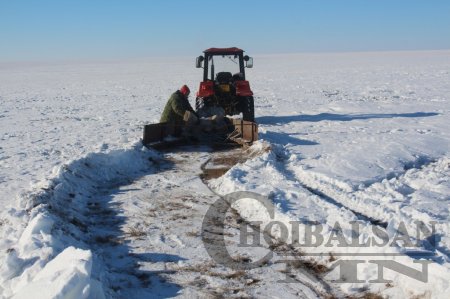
{"x": 46, "y": 234}
{"x": 68, "y": 275}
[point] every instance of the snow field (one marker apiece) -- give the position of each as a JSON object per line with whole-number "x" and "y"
{"x": 356, "y": 136}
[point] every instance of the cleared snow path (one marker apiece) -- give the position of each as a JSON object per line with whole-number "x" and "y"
{"x": 164, "y": 214}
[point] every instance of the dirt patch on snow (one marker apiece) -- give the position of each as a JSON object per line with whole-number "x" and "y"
{"x": 223, "y": 160}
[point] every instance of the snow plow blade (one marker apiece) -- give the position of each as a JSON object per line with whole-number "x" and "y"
{"x": 162, "y": 135}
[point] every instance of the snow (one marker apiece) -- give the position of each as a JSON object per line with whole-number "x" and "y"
{"x": 91, "y": 213}
{"x": 54, "y": 218}
{"x": 296, "y": 202}
{"x": 66, "y": 276}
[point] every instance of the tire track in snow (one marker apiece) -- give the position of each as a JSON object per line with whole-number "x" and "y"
{"x": 281, "y": 164}
{"x": 329, "y": 199}
{"x": 381, "y": 214}
{"x": 329, "y": 190}
{"x": 290, "y": 175}
{"x": 335, "y": 195}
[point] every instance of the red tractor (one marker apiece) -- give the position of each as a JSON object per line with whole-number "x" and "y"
{"x": 223, "y": 91}
{"x": 224, "y": 86}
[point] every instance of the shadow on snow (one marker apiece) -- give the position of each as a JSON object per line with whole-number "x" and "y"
{"x": 81, "y": 200}
{"x": 336, "y": 117}
{"x": 285, "y": 138}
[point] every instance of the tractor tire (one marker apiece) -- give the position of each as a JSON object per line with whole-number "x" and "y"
{"x": 248, "y": 109}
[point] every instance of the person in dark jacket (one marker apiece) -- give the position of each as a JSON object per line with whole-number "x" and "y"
{"x": 176, "y": 106}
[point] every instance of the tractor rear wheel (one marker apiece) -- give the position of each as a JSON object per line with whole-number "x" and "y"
{"x": 248, "y": 109}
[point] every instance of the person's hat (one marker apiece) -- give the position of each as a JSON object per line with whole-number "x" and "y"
{"x": 185, "y": 90}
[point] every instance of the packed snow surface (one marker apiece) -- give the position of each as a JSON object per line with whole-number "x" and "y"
{"x": 91, "y": 213}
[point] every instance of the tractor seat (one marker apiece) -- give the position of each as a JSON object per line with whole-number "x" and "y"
{"x": 223, "y": 77}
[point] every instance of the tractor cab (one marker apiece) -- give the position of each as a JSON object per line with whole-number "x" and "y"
{"x": 223, "y": 60}
{"x": 224, "y": 83}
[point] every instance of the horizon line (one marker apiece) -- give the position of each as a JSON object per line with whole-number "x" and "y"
{"x": 85, "y": 60}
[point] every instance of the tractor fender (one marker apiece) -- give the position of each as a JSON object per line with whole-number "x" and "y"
{"x": 206, "y": 89}
{"x": 243, "y": 88}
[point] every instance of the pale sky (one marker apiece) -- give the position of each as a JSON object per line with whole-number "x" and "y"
{"x": 115, "y": 29}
